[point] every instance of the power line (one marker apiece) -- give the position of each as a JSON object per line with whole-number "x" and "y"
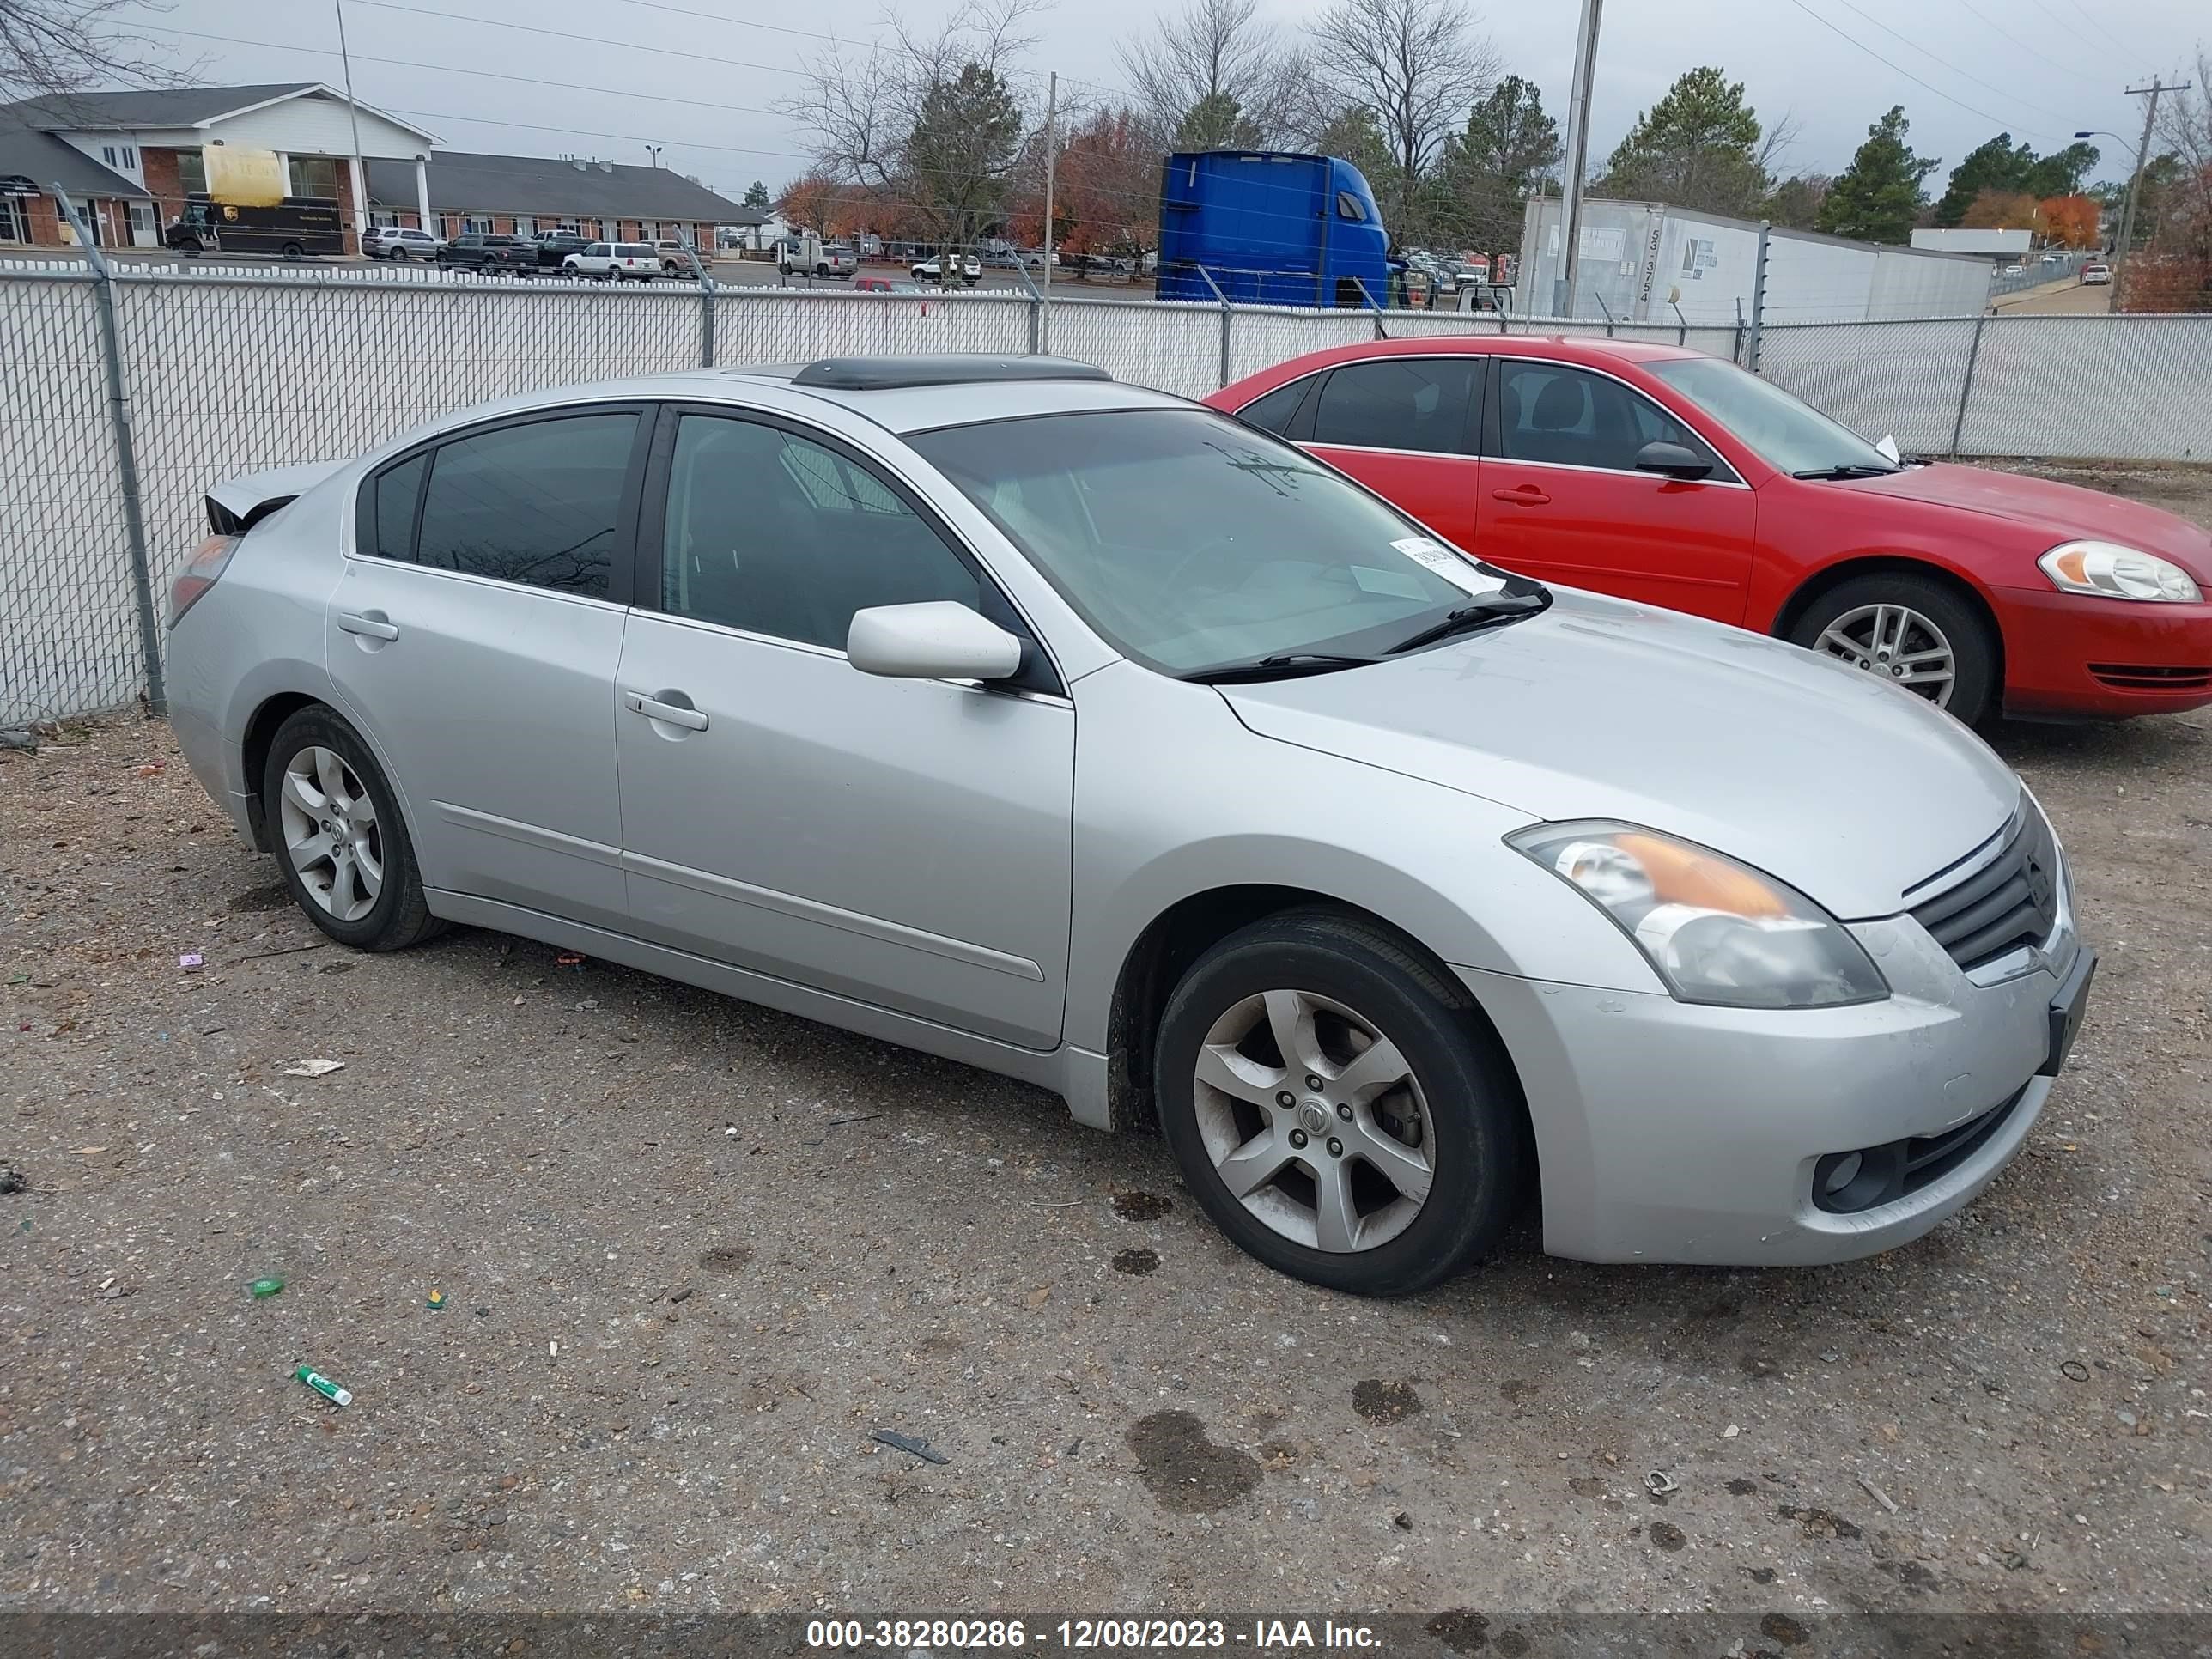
{"x": 2069, "y": 29}
{"x": 2098, "y": 26}
{"x": 1846, "y": 35}
{"x": 1999, "y": 28}
{"x": 448, "y": 68}
{"x": 2001, "y": 92}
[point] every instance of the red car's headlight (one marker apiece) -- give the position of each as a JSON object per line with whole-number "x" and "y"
{"x": 2112, "y": 572}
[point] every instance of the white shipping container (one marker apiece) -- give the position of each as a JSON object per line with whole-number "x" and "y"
{"x": 1647, "y": 262}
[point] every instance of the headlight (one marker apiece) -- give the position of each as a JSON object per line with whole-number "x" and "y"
{"x": 2112, "y": 572}
{"x": 1716, "y": 931}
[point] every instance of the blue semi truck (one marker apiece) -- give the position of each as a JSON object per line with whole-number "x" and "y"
{"x": 1271, "y": 227}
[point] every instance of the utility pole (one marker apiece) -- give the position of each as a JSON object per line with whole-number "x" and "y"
{"x": 2123, "y": 258}
{"x": 1051, "y": 169}
{"x": 353, "y": 115}
{"x": 1578, "y": 103}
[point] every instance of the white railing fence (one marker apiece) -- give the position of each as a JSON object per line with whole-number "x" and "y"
{"x": 226, "y": 372}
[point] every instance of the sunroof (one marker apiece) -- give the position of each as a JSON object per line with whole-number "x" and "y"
{"x": 949, "y": 368}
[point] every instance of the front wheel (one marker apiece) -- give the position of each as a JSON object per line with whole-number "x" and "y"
{"x": 1912, "y": 631}
{"x": 1338, "y": 1107}
{"x": 334, "y": 823}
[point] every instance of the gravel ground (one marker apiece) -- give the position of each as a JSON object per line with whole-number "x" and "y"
{"x": 691, "y": 1255}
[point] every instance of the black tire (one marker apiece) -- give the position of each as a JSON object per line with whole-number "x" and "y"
{"x": 398, "y": 256}
{"x": 401, "y": 915}
{"x": 1477, "y": 1123}
{"x": 1975, "y": 691}
{"x": 293, "y": 251}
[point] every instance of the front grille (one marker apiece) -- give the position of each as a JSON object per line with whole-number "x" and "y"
{"x": 2140, "y": 676}
{"x": 2011, "y": 902}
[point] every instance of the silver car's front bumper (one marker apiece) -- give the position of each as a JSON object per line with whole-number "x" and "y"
{"x": 1671, "y": 1132}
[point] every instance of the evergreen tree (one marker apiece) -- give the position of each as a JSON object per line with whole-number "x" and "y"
{"x": 1879, "y": 196}
{"x": 1217, "y": 121}
{"x": 1998, "y": 165}
{"x": 1491, "y": 168}
{"x": 1696, "y": 148}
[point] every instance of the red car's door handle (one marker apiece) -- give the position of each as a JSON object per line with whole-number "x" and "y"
{"x": 1521, "y": 496}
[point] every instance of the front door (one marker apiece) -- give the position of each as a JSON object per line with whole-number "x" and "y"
{"x": 903, "y": 842}
{"x": 474, "y": 637}
{"x": 1561, "y": 499}
{"x": 1406, "y": 427}
{"x": 144, "y": 232}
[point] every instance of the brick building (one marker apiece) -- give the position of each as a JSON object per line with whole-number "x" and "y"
{"x": 134, "y": 159}
{"x": 527, "y": 195}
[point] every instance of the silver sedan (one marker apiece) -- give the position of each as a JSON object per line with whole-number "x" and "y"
{"x": 1065, "y": 728}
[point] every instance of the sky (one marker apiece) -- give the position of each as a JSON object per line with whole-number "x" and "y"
{"x": 703, "y": 78}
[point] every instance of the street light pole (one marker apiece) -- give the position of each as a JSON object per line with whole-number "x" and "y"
{"x": 2123, "y": 259}
{"x": 353, "y": 115}
{"x": 653, "y": 150}
{"x": 1577, "y": 159}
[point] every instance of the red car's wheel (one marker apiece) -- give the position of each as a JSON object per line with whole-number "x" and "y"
{"x": 1912, "y": 631}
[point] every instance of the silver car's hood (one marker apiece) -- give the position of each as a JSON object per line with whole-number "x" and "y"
{"x": 1849, "y": 789}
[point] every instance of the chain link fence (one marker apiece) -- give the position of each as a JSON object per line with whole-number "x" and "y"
{"x": 229, "y": 372}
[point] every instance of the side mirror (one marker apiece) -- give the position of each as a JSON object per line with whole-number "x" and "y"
{"x": 1672, "y": 461}
{"x": 938, "y": 639}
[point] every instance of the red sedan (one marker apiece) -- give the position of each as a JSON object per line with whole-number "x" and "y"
{"x": 1677, "y": 479}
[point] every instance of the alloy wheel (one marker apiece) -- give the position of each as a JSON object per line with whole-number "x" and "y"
{"x": 330, "y": 832}
{"x": 1313, "y": 1120}
{"x": 1897, "y": 642}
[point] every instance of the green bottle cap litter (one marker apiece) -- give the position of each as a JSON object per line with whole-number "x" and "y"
{"x": 323, "y": 1386}
{"x": 262, "y": 1288}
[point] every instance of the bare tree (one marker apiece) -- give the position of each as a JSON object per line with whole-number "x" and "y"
{"x": 1417, "y": 64}
{"x": 49, "y": 47}
{"x": 932, "y": 120}
{"x": 1215, "y": 75}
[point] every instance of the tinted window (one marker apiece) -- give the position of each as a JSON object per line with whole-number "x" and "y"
{"x": 1349, "y": 206}
{"x": 773, "y": 534}
{"x": 1274, "y": 412}
{"x": 397, "y": 492}
{"x": 634, "y": 251}
{"x": 1411, "y": 402}
{"x": 540, "y": 503}
{"x": 1548, "y": 413}
{"x": 1761, "y": 414}
{"x": 1188, "y": 540}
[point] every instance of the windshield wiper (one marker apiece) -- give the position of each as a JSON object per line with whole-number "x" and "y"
{"x": 1493, "y": 612}
{"x": 1848, "y": 470}
{"x": 1287, "y": 665}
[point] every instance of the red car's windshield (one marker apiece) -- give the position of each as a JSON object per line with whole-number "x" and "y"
{"x": 1785, "y": 433}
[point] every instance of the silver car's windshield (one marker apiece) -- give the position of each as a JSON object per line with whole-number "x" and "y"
{"x": 1787, "y": 434}
{"x": 1189, "y": 541}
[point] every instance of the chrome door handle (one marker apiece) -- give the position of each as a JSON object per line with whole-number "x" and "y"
{"x": 691, "y": 720}
{"x": 374, "y": 627}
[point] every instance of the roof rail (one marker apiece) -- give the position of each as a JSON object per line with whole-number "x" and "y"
{"x": 945, "y": 368}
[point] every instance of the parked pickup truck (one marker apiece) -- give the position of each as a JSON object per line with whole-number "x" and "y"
{"x": 555, "y": 245}
{"x": 492, "y": 254}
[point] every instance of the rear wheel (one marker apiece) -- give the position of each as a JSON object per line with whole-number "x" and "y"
{"x": 1913, "y": 631}
{"x": 1337, "y": 1108}
{"x": 344, "y": 848}
{"x": 293, "y": 251}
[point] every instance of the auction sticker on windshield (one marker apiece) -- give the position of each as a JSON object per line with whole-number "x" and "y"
{"x": 1453, "y": 567}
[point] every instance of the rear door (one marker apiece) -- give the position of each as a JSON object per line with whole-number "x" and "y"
{"x": 474, "y": 637}
{"x": 904, "y": 842}
{"x": 1405, "y": 426}
{"x": 1561, "y": 499}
